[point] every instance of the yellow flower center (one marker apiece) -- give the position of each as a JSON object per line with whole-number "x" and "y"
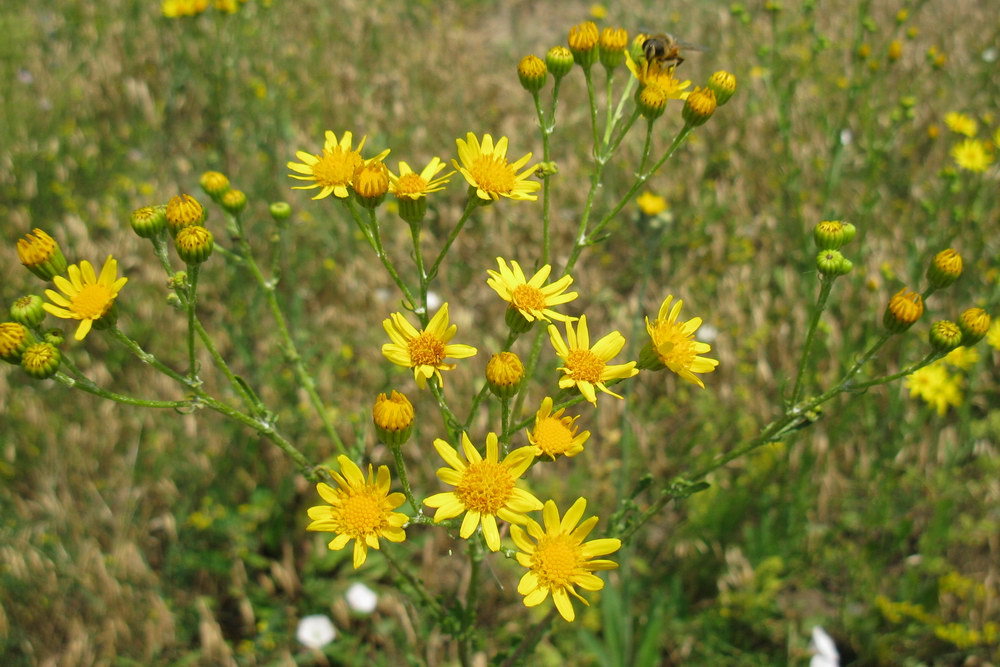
{"x": 360, "y": 514}
{"x": 426, "y": 350}
{"x": 673, "y": 347}
{"x": 584, "y": 365}
{"x": 336, "y": 167}
{"x": 555, "y": 561}
{"x": 553, "y": 436}
{"x": 92, "y": 302}
{"x": 485, "y": 487}
{"x": 410, "y": 185}
{"x": 526, "y": 297}
{"x": 493, "y": 174}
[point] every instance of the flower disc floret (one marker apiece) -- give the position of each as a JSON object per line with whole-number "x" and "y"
{"x": 424, "y": 351}
{"x": 85, "y": 295}
{"x": 332, "y": 171}
{"x": 359, "y": 509}
{"x": 484, "y": 166}
{"x": 554, "y": 434}
{"x": 558, "y": 559}
{"x": 531, "y": 297}
{"x": 586, "y": 368}
{"x": 485, "y": 488}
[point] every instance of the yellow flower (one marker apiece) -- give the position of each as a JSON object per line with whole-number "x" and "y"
{"x": 962, "y": 357}
{"x": 971, "y": 155}
{"x": 672, "y": 87}
{"x": 485, "y": 167}
{"x": 88, "y": 297}
{"x": 554, "y": 434}
{"x": 585, "y": 367}
{"x": 359, "y": 510}
{"x": 423, "y": 351}
{"x": 558, "y": 559}
{"x": 936, "y": 386}
{"x": 651, "y": 204}
{"x": 674, "y": 345}
{"x": 41, "y": 255}
{"x": 960, "y": 123}
{"x": 485, "y": 488}
{"x": 993, "y": 335}
{"x": 333, "y": 170}
{"x": 533, "y": 300}
{"x": 411, "y": 185}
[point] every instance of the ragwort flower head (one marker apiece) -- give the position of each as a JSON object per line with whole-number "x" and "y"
{"x": 485, "y": 488}
{"x": 972, "y": 155}
{"x": 554, "y": 434}
{"x": 532, "y": 298}
{"x": 424, "y": 351}
{"x": 936, "y": 386}
{"x": 485, "y": 167}
{"x": 359, "y": 509}
{"x": 411, "y": 185}
{"x": 672, "y": 87}
{"x": 672, "y": 344}
{"x": 558, "y": 559}
{"x": 332, "y": 171}
{"x": 587, "y": 368}
{"x": 85, "y": 295}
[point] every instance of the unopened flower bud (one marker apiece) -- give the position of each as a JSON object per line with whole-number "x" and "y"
{"x": 14, "y": 337}
{"x": 183, "y": 211}
{"x": 832, "y": 263}
{"x": 532, "y": 73}
{"x": 832, "y": 234}
{"x": 194, "y": 244}
{"x": 612, "y": 47}
{"x": 559, "y": 61}
{"x": 28, "y": 310}
{"x": 41, "y": 360}
{"x": 582, "y": 41}
{"x": 974, "y": 323}
{"x": 504, "y": 373}
{"x": 945, "y": 269}
{"x": 214, "y": 183}
{"x": 280, "y": 211}
{"x": 41, "y": 255}
{"x": 55, "y": 336}
{"x": 945, "y": 336}
{"x": 699, "y": 107}
{"x": 904, "y": 308}
{"x": 234, "y": 201}
{"x": 148, "y": 221}
{"x": 723, "y": 84}
{"x": 371, "y": 182}
{"x": 652, "y": 101}
{"x": 393, "y": 418}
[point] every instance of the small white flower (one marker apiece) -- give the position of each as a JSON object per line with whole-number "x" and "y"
{"x": 846, "y": 137}
{"x": 708, "y": 333}
{"x": 361, "y": 599}
{"x": 315, "y": 631}
{"x": 990, "y": 55}
{"x": 433, "y": 301}
{"x": 824, "y": 650}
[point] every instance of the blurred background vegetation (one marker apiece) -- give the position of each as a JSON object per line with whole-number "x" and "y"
{"x": 141, "y": 537}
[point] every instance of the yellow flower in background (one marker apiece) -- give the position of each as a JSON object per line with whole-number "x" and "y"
{"x": 598, "y": 11}
{"x": 993, "y": 335}
{"x": 485, "y": 167}
{"x": 333, "y": 170}
{"x": 962, "y": 357}
{"x": 88, "y": 297}
{"x": 936, "y": 386}
{"x": 359, "y": 510}
{"x": 961, "y": 124}
{"x": 674, "y": 345}
{"x": 554, "y": 434}
{"x": 972, "y": 155}
{"x": 412, "y": 185}
{"x": 531, "y": 298}
{"x": 423, "y": 351}
{"x": 558, "y": 559}
{"x": 485, "y": 488}
{"x": 587, "y": 368}
{"x": 651, "y": 204}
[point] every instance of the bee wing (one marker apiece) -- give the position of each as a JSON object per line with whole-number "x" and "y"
{"x": 688, "y": 46}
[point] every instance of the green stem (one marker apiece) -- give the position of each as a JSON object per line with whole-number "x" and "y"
{"x": 397, "y": 456}
{"x": 384, "y": 257}
{"x": 84, "y": 384}
{"x": 609, "y": 119}
{"x": 450, "y": 420}
{"x": 192, "y": 301}
{"x": 592, "y": 104}
{"x": 418, "y": 586}
{"x": 529, "y": 641}
{"x": 547, "y": 129}
{"x": 471, "y": 597}
{"x": 485, "y": 389}
{"x": 505, "y": 432}
{"x": 826, "y": 285}
{"x": 470, "y": 206}
{"x": 418, "y": 258}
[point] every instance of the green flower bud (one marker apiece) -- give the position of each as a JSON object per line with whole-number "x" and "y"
{"x": 184, "y": 211}
{"x": 559, "y": 61}
{"x": 55, "y": 336}
{"x": 723, "y": 84}
{"x": 148, "y": 221}
{"x": 652, "y": 101}
{"x": 699, "y": 107}
{"x": 832, "y": 263}
{"x": 233, "y": 201}
{"x": 504, "y": 374}
{"x": 14, "y": 338}
{"x": 41, "y": 255}
{"x": 28, "y": 310}
{"x": 974, "y": 323}
{"x": 904, "y": 308}
{"x": 832, "y": 234}
{"x": 194, "y": 244}
{"x": 582, "y": 41}
{"x": 612, "y": 45}
{"x": 945, "y": 336}
{"x": 393, "y": 418}
{"x": 214, "y": 183}
{"x": 41, "y": 360}
{"x": 280, "y": 211}
{"x": 944, "y": 269}
{"x": 532, "y": 73}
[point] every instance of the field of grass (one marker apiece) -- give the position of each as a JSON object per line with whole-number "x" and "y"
{"x": 136, "y": 536}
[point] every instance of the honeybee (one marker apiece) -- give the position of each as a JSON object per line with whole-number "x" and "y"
{"x": 663, "y": 51}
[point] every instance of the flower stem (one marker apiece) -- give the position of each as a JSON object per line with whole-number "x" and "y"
{"x": 505, "y": 432}
{"x": 418, "y": 586}
{"x": 826, "y": 285}
{"x": 450, "y": 420}
{"x": 85, "y": 384}
{"x": 192, "y": 301}
{"x": 529, "y": 640}
{"x": 547, "y": 127}
{"x": 384, "y": 258}
{"x": 397, "y": 456}
{"x": 592, "y": 104}
{"x": 471, "y": 598}
{"x": 470, "y": 206}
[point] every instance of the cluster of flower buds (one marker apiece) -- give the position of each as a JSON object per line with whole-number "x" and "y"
{"x": 830, "y": 236}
